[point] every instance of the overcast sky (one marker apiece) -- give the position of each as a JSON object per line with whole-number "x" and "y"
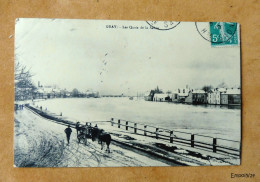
{"x": 84, "y": 54}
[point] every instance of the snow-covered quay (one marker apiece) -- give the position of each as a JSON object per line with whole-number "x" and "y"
{"x": 40, "y": 142}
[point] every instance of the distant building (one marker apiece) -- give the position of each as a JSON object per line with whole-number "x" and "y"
{"x": 175, "y": 96}
{"x": 148, "y": 96}
{"x": 46, "y": 92}
{"x": 182, "y": 94}
{"x": 214, "y": 95}
{"x": 38, "y": 93}
{"x": 161, "y": 97}
{"x": 188, "y": 99}
{"x": 224, "y": 99}
{"x": 199, "y": 97}
{"x": 231, "y": 97}
{"x": 56, "y": 92}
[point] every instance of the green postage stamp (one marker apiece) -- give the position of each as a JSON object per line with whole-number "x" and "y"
{"x": 224, "y": 34}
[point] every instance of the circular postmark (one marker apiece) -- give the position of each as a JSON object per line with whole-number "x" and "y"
{"x": 163, "y": 25}
{"x": 217, "y": 32}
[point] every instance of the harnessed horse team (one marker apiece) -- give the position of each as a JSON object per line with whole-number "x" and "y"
{"x": 94, "y": 133}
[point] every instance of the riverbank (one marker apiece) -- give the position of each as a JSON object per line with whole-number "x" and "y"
{"x": 160, "y": 149}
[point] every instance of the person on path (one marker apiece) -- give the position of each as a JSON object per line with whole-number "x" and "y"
{"x": 68, "y": 132}
{"x": 77, "y": 127}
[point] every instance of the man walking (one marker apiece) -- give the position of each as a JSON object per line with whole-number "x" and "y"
{"x": 77, "y": 127}
{"x": 68, "y": 132}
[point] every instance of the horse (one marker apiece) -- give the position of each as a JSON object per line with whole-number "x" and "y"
{"x": 102, "y": 137}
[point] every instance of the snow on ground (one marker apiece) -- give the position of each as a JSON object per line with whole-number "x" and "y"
{"x": 214, "y": 121}
{"x": 41, "y": 143}
{"x": 101, "y": 109}
{"x": 178, "y": 152}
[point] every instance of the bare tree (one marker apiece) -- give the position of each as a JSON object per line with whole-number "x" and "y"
{"x": 207, "y": 88}
{"x": 168, "y": 92}
{"x": 222, "y": 85}
{"x": 157, "y": 90}
{"x": 75, "y": 92}
{"x": 24, "y": 88}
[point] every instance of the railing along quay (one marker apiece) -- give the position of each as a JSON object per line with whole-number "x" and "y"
{"x": 208, "y": 143}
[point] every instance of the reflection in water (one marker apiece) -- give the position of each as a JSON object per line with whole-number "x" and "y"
{"x": 207, "y": 105}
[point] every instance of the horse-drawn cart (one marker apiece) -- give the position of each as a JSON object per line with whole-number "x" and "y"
{"x": 89, "y": 132}
{"x": 84, "y": 133}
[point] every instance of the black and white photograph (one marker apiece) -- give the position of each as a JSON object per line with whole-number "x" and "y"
{"x": 117, "y": 93}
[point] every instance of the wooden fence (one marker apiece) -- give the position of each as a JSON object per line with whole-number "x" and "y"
{"x": 216, "y": 145}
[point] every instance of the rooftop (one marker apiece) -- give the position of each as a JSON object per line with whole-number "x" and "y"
{"x": 233, "y": 91}
{"x": 198, "y": 92}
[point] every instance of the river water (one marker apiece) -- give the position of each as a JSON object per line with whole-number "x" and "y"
{"x": 209, "y": 120}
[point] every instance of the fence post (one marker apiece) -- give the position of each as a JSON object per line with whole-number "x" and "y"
{"x": 135, "y": 127}
{"x": 119, "y": 123}
{"x": 156, "y": 132}
{"x": 112, "y": 121}
{"x": 126, "y": 125}
{"x": 145, "y": 130}
{"x": 192, "y": 140}
{"x": 171, "y": 136}
{"x": 214, "y": 145}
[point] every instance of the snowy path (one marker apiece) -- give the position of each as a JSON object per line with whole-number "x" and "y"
{"x": 41, "y": 143}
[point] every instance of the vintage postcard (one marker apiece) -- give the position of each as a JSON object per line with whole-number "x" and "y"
{"x": 109, "y": 93}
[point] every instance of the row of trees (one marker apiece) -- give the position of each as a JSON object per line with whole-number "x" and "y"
{"x": 76, "y": 93}
{"x": 24, "y": 87}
